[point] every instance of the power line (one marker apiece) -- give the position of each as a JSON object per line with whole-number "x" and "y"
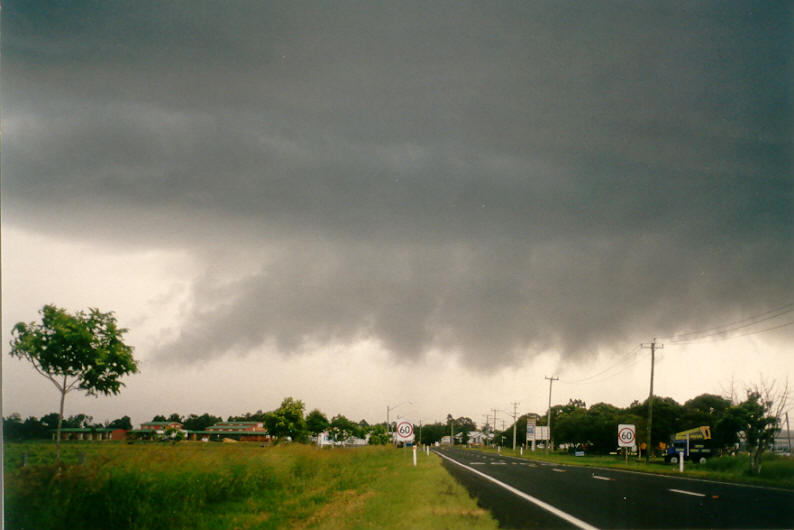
{"x": 735, "y": 325}
{"x": 702, "y": 340}
{"x": 619, "y": 363}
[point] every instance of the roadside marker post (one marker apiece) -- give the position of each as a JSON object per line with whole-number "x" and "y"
{"x": 680, "y": 461}
{"x": 414, "y": 450}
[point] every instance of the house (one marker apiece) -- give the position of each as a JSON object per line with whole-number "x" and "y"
{"x": 324, "y": 440}
{"x": 478, "y": 438}
{"x": 159, "y": 427}
{"x": 244, "y": 431}
{"x": 84, "y": 433}
{"x": 783, "y": 442}
{"x": 238, "y": 426}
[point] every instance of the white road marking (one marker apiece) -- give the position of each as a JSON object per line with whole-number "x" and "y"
{"x": 478, "y": 463}
{"x": 548, "y": 507}
{"x": 684, "y": 492}
{"x": 559, "y": 470}
{"x": 499, "y": 463}
{"x": 602, "y": 478}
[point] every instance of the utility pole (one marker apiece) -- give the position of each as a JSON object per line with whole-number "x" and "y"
{"x": 788, "y": 432}
{"x": 653, "y": 346}
{"x": 494, "y": 426}
{"x": 551, "y": 381}
{"x": 515, "y": 408}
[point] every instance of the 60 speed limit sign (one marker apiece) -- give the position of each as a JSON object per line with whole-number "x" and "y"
{"x": 405, "y": 431}
{"x": 627, "y": 435}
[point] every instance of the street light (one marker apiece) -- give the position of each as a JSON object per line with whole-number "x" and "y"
{"x": 390, "y": 408}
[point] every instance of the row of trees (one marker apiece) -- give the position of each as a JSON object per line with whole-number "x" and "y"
{"x": 289, "y": 420}
{"x": 16, "y": 429}
{"x": 754, "y": 421}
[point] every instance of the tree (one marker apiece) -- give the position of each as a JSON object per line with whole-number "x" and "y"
{"x": 712, "y": 410}
{"x": 175, "y": 418}
{"x": 200, "y": 423}
{"x": 342, "y": 428}
{"x": 121, "y": 423}
{"x": 758, "y": 424}
{"x": 378, "y": 435}
{"x": 287, "y": 420}
{"x": 83, "y": 351}
{"x": 159, "y": 417}
{"x": 316, "y": 422}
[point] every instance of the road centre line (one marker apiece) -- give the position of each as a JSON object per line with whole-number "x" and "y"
{"x": 684, "y": 492}
{"x": 665, "y": 476}
{"x": 548, "y": 507}
{"x": 602, "y": 478}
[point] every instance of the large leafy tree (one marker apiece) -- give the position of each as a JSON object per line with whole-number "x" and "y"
{"x": 121, "y": 423}
{"x": 195, "y": 422}
{"x": 342, "y": 428}
{"x": 80, "y": 351}
{"x": 316, "y": 422}
{"x": 287, "y": 420}
{"x": 757, "y": 422}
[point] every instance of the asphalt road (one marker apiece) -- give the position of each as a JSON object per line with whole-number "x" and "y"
{"x": 548, "y": 495}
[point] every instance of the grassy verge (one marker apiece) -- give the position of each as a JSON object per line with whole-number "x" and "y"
{"x": 113, "y": 485}
{"x": 777, "y": 471}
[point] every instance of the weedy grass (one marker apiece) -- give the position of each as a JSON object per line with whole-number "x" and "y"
{"x": 776, "y": 471}
{"x": 200, "y": 485}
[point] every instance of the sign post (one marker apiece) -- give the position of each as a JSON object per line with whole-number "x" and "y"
{"x": 405, "y": 431}
{"x": 627, "y": 437}
{"x": 531, "y": 432}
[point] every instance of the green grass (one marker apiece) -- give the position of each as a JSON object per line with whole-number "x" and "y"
{"x": 777, "y": 471}
{"x": 194, "y": 484}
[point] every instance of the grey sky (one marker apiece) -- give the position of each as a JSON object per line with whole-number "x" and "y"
{"x": 490, "y": 179}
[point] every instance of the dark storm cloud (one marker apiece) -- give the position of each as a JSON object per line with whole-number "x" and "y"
{"x": 480, "y": 178}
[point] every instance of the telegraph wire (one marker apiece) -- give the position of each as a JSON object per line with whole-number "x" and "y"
{"x": 723, "y": 329}
{"x": 701, "y": 340}
{"x": 619, "y": 363}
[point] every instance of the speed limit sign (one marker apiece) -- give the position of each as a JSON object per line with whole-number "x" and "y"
{"x": 627, "y": 435}
{"x": 405, "y": 431}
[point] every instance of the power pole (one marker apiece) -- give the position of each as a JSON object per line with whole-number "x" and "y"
{"x": 494, "y": 426}
{"x": 515, "y": 408}
{"x": 551, "y": 381}
{"x": 653, "y": 346}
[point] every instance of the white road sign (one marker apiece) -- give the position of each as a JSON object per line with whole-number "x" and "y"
{"x": 627, "y": 435}
{"x": 405, "y": 431}
{"x": 537, "y": 432}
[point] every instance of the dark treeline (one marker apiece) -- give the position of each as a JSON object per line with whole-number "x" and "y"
{"x": 595, "y": 427}
{"x": 574, "y": 424}
{"x": 15, "y": 428}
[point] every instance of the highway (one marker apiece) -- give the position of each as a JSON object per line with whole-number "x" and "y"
{"x": 531, "y": 494}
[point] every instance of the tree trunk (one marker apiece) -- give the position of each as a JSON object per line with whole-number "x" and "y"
{"x": 60, "y": 423}
{"x": 755, "y": 457}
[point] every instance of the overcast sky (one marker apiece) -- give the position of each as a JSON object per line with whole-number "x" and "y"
{"x": 363, "y": 203}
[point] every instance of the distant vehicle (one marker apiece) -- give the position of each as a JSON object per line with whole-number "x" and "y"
{"x": 694, "y": 444}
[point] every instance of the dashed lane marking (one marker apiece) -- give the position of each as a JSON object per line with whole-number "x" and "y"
{"x": 684, "y": 492}
{"x": 602, "y": 478}
{"x": 548, "y": 507}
